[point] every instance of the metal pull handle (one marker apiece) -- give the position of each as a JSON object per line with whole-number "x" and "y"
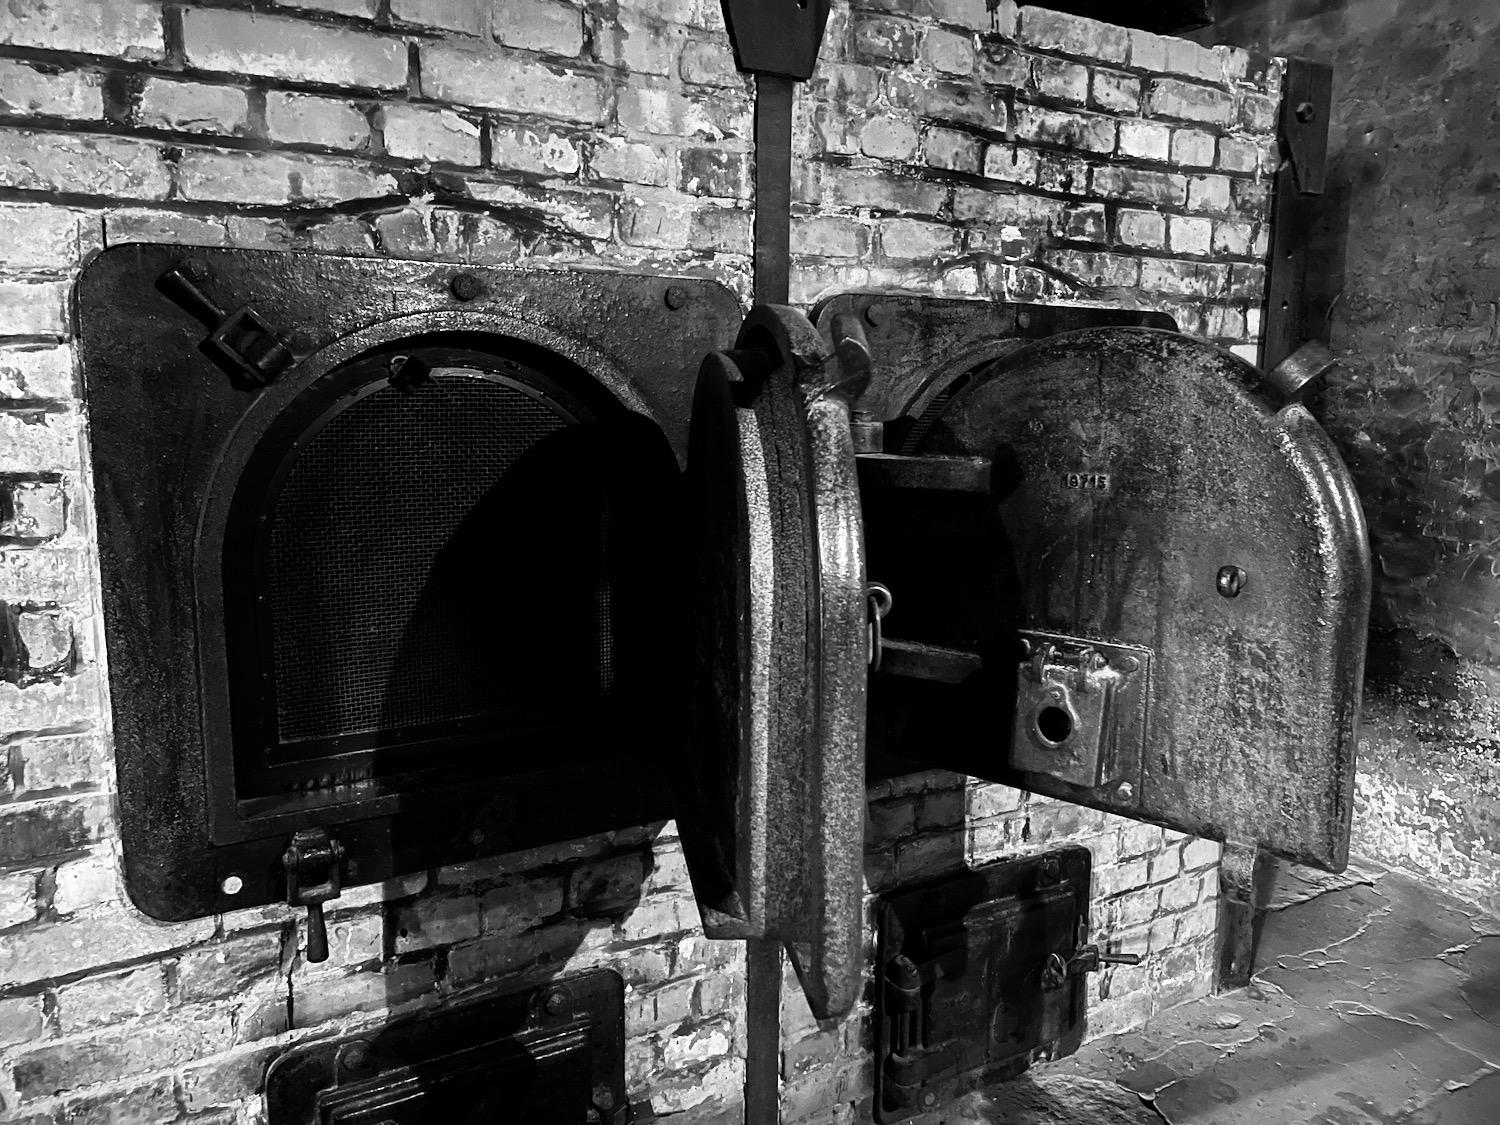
{"x": 317, "y": 933}
{"x": 879, "y": 597}
{"x": 1088, "y": 959}
{"x": 312, "y": 878}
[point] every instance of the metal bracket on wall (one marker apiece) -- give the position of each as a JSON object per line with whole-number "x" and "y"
{"x": 1306, "y": 99}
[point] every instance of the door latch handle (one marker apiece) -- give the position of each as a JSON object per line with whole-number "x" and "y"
{"x": 239, "y": 341}
{"x": 1088, "y": 959}
{"x": 312, "y": 878}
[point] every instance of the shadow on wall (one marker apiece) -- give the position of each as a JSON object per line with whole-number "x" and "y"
{"x": 1408, "y": 292}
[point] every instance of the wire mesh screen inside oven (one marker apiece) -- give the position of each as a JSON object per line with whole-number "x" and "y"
{"x": 381, "y": 541}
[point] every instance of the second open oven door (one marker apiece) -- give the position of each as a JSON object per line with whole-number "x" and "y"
{"x": 771, "y": 807}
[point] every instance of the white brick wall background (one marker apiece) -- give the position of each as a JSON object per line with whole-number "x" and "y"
{"x": 941, "y": 147}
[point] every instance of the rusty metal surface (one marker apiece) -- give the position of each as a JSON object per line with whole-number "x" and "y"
{"x": 171, "y": 433}
{"x": 1080, "y": 709}
{"x": 919, "y": 344}
{"x": 772, "y": 816}
{"x": 1130, "y": 468}
{"x": 550, "y": 1053}
{"x": 1300, "y": 207}
{"x": 980, "y": 974}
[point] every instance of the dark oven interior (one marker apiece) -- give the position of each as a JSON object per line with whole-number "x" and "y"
{"x": 448, "y": 560}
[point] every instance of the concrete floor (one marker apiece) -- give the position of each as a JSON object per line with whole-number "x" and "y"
{"x": 1377, "y": 1002}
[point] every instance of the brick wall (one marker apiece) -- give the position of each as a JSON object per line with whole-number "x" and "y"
{"x": 941, "y": 147}
{"x": 1404, "y": 281}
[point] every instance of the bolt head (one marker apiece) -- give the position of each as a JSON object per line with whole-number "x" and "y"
{"x": 1036, "y": 426}
{"x": 1230, "y": 581}
{"x": 357, "y": 1057}
{"x": 556, "y": 1003}
{"x": 675, "y": 297}
{"x": 1023, "y": 319}
{"x": 875, "y": 314}
{"x": 1306, "y": 112}
{"x": 196, "y": 269}
{"x": 466, "y": 286}
{"x": 929, "y": 1098}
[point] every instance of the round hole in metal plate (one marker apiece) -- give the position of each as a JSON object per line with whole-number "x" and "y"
{"x": 1054, "y": 725}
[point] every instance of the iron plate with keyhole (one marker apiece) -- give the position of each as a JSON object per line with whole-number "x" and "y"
{"x": 1080, "y": 709}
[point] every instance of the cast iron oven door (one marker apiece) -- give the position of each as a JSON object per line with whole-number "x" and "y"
{"x": 390, "y": 559}
{"x": 772, "y": 798}
{"x": 1123, "y": 572}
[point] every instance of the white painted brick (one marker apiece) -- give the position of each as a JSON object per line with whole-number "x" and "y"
{"x": 1209, "y": 193}
{"x": 470, "y": 17}
{"x": 359, "y": 9}
{"x": 1119, "y": 93}
{"x": 33, "y": 308}
{"x": 888, "y": 138}
{"x": 271, "y": 177}
{"x": 119, "y": 167}
{"x": 1192, "y": 148}
{"x": 617, "y": 159}
{"x": 1189, "y": 235}
{"x": 1145, "y": 139}
{"x": 1073, "y": 35}
{"x": 1187, "y": 57}
{"x": 307, "y": 119}
{"x": 17, "y": 899}
{"x": 28, "y": 92}
{"x": 952, "y": 150}
{"x": 430, "y": 135}
{"x": 908, "y": 239}
{"x": 468, "y": 76}
{"x": 84, "y": 883}
{"x": 193, "y": 107}
{"x": 1148, "y": 51}
{"x": 948, "y": 52}
{"x": 540, "y": 25}
{"x": 36, "y": 510}
{"x": 126, "y": 29}
{"x": 47, "y": 636}
{"x": 38, "y": 237}
{"x": 238, "y": 42}
{"x": 643, "y": 47}
{"x": 1064, "y": 81}
{"x": 1146, "y": 229}
{"x": 1167, "y": 97}
{"x": 1201, "y": 853}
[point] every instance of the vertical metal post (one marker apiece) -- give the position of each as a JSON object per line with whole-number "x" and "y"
{"x": 1306, "y": 101}
{"x": 777, "y": 41}
{"x": 773, "y": 240}
{"x": 773, "y": 188}
{"x": 763, "y": 1031}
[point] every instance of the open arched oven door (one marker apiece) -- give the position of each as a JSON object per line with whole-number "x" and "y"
{"x": 772, "y": 809}
{"x": 1123, "y": 573}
